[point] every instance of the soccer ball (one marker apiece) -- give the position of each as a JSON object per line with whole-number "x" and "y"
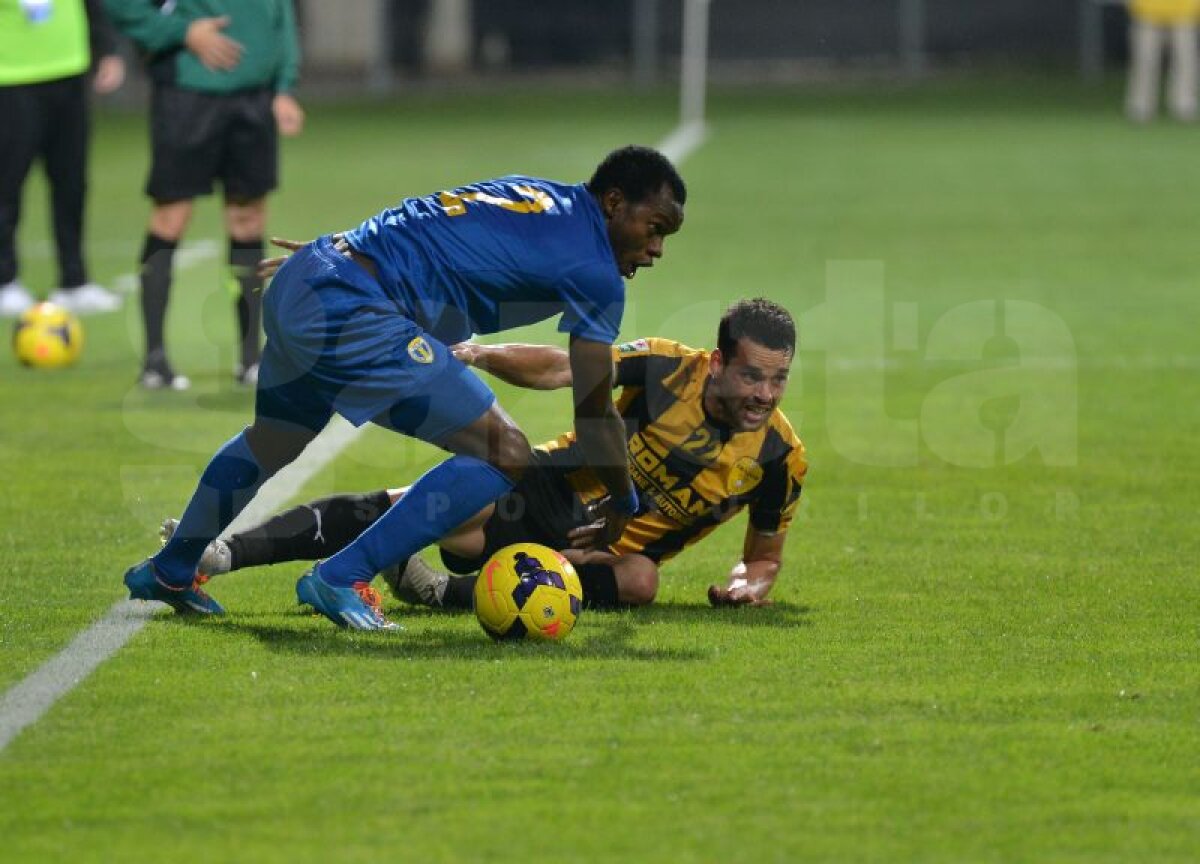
{"x": 527, "y": 591}
{"x": 47, "y": 337}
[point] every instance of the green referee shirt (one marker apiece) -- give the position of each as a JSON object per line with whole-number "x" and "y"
{"x": 42, "y": 40}
{"x": 266, "y": 30}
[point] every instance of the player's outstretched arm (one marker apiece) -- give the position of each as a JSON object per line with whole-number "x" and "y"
{"x": 535, "y": 367}
{"x": 752, "y": 578}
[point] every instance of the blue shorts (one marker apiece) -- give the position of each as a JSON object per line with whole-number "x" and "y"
{"x": 336, "y": 343}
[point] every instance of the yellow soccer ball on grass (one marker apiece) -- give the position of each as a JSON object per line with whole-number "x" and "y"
{"x": 528, "y": 591}
{"x": 47, "y": 337}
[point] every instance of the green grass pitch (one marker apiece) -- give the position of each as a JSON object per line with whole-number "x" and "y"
{"x": 985, "y": 640}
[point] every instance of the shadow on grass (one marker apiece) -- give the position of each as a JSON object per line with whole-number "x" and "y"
{"x": 608, "y": 634}
{"x": 779, "y": 614}
{"x": 614, "y": 643}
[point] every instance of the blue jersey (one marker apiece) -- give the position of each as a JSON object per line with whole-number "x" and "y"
{"x": 496, "y": 255}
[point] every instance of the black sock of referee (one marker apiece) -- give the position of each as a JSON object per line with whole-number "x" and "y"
{"x": 308, "y": 532}
{"x": 244, "y": 256}
{"x": 157, "y": 259}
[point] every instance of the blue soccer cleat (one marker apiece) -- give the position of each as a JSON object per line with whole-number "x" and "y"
{"x": 356, "y": 607}
{"x": 143, "y": 584}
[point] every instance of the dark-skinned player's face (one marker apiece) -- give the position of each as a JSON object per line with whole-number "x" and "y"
{"x": 638, "y": 229}
{"x": 744, "y": 389}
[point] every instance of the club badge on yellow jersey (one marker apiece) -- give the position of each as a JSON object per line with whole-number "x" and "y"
{"x": 745, "y": 474}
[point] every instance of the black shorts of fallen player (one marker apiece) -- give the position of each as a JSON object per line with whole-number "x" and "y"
{"x": 542, "y": 508}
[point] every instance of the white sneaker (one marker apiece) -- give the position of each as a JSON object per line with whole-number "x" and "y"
{"x": 14, "y": 299}
{"x": 87, "y": 299}
{"x": 157, "y": 374}
{"x": 247, "y": 376}
{"x": 417, "y": 583}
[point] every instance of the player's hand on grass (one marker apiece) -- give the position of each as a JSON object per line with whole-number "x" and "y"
{"x": 269, "y": 266}
{"x": 289, "y": 116}
{"x": 739, "y": 592}
{"x": 212, "y": 47}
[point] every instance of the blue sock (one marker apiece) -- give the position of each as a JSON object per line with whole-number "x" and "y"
{"x": 227, "y": 485}
{"x": 442, "y": 499}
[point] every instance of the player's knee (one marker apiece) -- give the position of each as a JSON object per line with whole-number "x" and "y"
{"x": 245, "y": 218}
{"x": 275, "y": 445}
{"x": 637, "y": 581}
{"x": 512, "y": 453}
{"x": 169, "y": 219}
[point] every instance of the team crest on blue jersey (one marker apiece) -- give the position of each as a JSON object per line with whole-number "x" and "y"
{"x": 419, "y": 350}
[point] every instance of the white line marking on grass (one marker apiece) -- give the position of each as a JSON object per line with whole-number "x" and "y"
{"x": 25, "y": 703}
{"x": 185, "y": 257}
{"x": 334, "y": 438}
{"x": 683, "y": 141}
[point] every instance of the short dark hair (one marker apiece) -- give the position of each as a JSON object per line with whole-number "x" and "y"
{"x": 638, "y": 172}
{"x": 759, "y": 320}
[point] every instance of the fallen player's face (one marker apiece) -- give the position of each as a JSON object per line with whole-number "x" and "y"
{"x": 747, "y": 387}
{"x": 637, "y": 230}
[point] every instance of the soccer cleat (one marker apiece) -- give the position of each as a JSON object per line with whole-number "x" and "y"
{"x": 416, "y": 582}
{"x": 346, "y": 607}
{"x": 14, "y": 299}
{"x": 369, "y": 595}
{"x": 157, "y": 374}
{"x": 144, "y": 584}
{"x": 87, "y": 299}
{"x": 216, "y": 559}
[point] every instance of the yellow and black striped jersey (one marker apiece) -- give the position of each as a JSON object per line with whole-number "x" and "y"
{"x": 697, "y": 472}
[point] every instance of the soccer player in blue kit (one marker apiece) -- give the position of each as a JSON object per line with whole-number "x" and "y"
{"x": 358, "y": 323}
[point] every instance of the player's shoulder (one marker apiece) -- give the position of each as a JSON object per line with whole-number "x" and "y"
{"x": 655, "y": 347}
{"x": 783, "y": 427}
{"x": 567, "y": 196}
{"x": 783, "y": 442}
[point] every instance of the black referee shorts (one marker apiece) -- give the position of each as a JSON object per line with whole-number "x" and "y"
{"x": 197, "y": 138}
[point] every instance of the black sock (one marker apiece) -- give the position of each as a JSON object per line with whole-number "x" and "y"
{"x": 460, "y": 592}
{"x": 157, "y": 257}
{"x": 599, "y": 586}
{"x": 308, "y": 532}
{"x": 244, "y": 256}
